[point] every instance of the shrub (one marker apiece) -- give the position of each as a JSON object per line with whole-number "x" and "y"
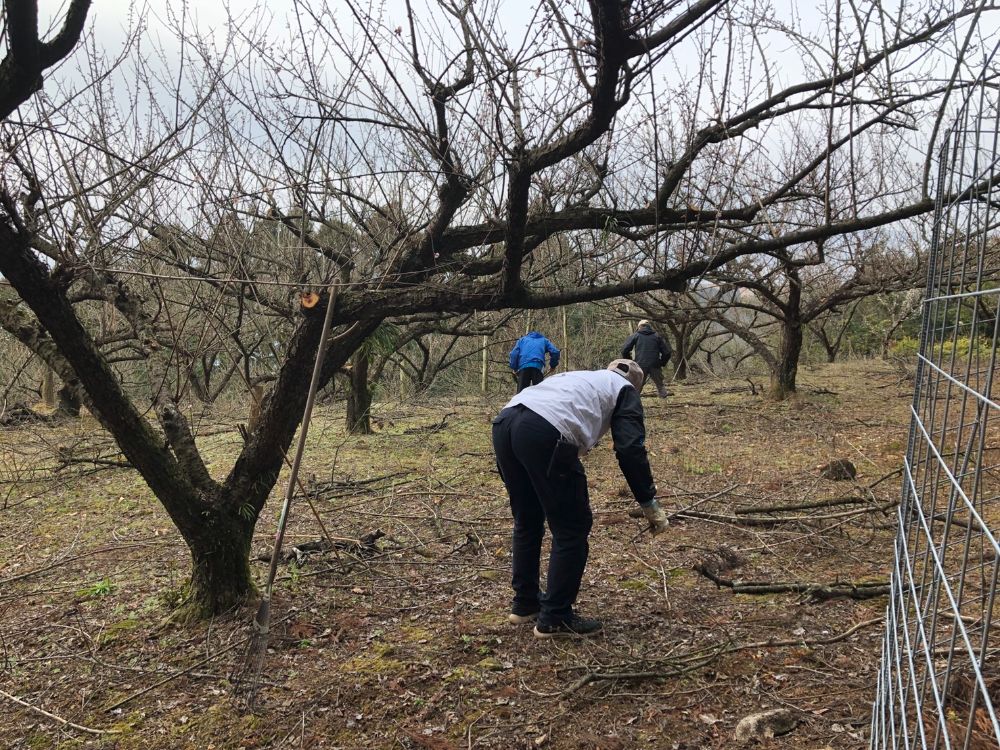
{"x": 908, "y": 347}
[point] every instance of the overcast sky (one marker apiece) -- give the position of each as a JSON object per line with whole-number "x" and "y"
{"x": 109, "y": 19}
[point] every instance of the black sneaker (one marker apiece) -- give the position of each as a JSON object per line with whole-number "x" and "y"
{"x": 520, "y": 614}
{"x": 575, "y": 626}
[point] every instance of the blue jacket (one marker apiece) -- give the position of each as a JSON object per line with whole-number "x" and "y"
{"x": 529, "y": 351}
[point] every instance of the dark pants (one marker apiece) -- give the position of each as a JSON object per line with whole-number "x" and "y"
{"x": 524, "y": 444}
{"x": 656, "y": 374}
{"x": 528, "y": 376}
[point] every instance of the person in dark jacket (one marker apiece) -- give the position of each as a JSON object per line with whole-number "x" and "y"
{"x": 538, "y": 438}
{"x": 652, "y": 352}
{"x": 527, "y": 359}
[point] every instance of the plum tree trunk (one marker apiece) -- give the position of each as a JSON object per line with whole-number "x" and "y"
{"x": 783, "y": 376}
{"x": 359, "y": 398}
{"x": 49, "y": 388}
{"x": 681, "y": 368}
{"x": 220, "y": 566}
{"x": 784, "y": 373}
{"x": 215, "y": 519}
{"x": 69, "y": 401}
{"x": 682, "y": 337}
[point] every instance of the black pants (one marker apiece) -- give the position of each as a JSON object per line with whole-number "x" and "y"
{"x": 528, "y": 376}
{"x": 524, "y": 444}
{"x": 654, "y": 373}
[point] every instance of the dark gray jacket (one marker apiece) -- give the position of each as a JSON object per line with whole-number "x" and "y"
{"x": 651, "y": 350}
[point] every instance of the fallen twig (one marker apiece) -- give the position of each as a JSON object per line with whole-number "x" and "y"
{"x": 181, "y": 673}
{"x": 776, "y": 520}
{"x": 431, "y": 428}
{"x": 734, "y": 389}
{"x": 22, "y": 414}
{"x": 677, "y": 513}
{"x": 816, "y": 591}
{"x": 658, "y": 674}
{"x": 882, "y": 478}
{"x": 364, "y": 546}
{"x": 63, "y": 560}
{"x": 701, "y": 660}
{"x": 827, "y": 503}
{"x": 944, "y": 518}
{"x": 58, "y": 719}
{"x": 673, "y": 515}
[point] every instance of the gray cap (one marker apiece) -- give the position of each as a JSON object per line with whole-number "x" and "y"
{"x": 629, "y": 370}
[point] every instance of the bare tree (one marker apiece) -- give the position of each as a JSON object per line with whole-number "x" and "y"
{"x": 689, "y": 321}
{"x": 831, "y": 327}
{"x": 427, "y": 163}
{"x": 27, "y": 57}
{"x": 778, "y": 292}
{"x": 428, "y": 345}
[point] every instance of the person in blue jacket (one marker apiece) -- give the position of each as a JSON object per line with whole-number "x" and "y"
{"x": 527, "y": 359}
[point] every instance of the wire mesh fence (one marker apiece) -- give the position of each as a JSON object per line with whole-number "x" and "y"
{"x": 939, "y": 678}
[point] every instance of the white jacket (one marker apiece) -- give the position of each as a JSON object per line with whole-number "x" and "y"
{"x": 578, "y": 404}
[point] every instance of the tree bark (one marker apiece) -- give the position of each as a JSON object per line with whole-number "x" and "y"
{"x": 27, "y": 55}
{"x": 681, "y": 335}
{"x": 484, "y": 379}
{"x": 831, "y": 354}
{"x": 256, "y": 398}
{"x": 22, "y": 327}
{"x": 49, "y": 388}
{"x": 830, "y": 347}
{"x": 220, "y": 565}
{"x": 216, "y": 521}
{"x": 359, "y": 398}
{"x": 69, "y": 401}
{"x": 681, "y": 368}
{"x": 783, "y": 376}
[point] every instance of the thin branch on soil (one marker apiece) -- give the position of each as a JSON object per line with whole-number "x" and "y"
{"x": 63, "y": 560}
{"x": 324, "y": 489}
{"x": 775, "y": 521}
{"x": 105, "y": 462}
{"x": 673, "y": 515}
{"x": 692, "y": 506}
{"x": 658, "y": 674}
{"x": 815, "y": 591}
{"x": 884, "y": 477}
{"x": 828, "y": 503}
{"x": 58, "y": 719}
{"x": 181, "y": 673}
{"x": 701, "y": 660}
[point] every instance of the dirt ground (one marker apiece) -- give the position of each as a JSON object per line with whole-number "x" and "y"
{"x": 407, "y": 644}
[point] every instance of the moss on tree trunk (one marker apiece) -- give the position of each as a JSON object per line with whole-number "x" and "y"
{"x": 359, "y": 399}
{"x": 783, "y": 377}
{"x": 220, "y": 570}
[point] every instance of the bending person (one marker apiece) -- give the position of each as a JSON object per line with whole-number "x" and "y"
{"x": 539, "y": 437}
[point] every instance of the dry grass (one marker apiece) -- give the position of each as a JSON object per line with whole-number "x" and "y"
{"x": 410, "y": 648}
